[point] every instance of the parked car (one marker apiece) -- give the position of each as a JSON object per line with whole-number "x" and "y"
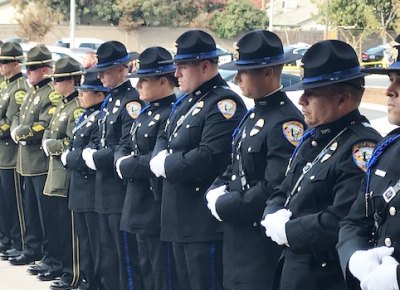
{"x": 299, "y": 48}
{"x": 376, "y": 56}
{"x": 92, "y": 43}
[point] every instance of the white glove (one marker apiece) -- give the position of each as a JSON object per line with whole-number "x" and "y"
{"x": 64, "y": 157}
{"x": 275, "y": 226}
{"x": 118, "y": 165}
{"x": 212, "y": 197}
{"x": 363, "y": 262}
{"x": 157, "y": 164}
{"x": 87, "y": 155}
{"x": 13, "y": 132}
{"x": 44, "y": 147}
{"x": 383, "y": 277}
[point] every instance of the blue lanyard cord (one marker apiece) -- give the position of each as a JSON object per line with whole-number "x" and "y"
{"x": 82, "y": 117}
{"x": 176, "y": 104}
{"x": 375, "y": 157}
{"x": 144, "y": 109}
{"x": 305, "y": 136}
{"x": 236, "y": 131}
{"x": 104, "y": 104}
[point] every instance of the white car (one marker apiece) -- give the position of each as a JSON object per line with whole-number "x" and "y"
{"x": 92, "y": 43}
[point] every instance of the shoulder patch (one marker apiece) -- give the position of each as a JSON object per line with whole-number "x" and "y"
{"x": 55, "y": 98}
{"x": 227, "y": 108}
{"x": 293, "y": 131}
{"x": 362, "y": 152}
{"x": 77, "y": 113}
{"x": 19, "y": 97}
{"x": 133, "y": 109}
{"x": 52, "y": 110}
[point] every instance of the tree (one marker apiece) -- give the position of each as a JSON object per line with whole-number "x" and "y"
{"x": 237, "y": 17}
{"x": 36, "y": 21}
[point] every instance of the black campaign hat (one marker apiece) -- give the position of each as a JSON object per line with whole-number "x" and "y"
{"x": 38, "y": 55}
{"x": 111, "y": 54}
{"x": 66, "y": 67}
{"x": 260, "y": 48}
{"x": 92, "y": 83}
{"x": 11, "y": 51}
{"x": 151, "y": 62}
{"x": 195, "y": 45}
{"x": 328, "y": 62}
{"x": 394, "y": 67}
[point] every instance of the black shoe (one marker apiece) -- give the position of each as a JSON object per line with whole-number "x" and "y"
{"x": 10, "y": 253}
{"x": 38, "y": 268}
{"x": 63, "y": 284}
{"x": 4, "y": 247}
{"x": 49, "y": 275}
{"x": 23, "y": 259}
{"x": 82, "y": 285}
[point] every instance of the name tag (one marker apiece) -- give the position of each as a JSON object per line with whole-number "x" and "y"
{"x": 380, "y": 173}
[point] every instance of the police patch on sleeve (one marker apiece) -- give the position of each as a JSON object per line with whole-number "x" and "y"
{"x": 133, "y": 109}
{"x": 54, "y": 98}
{"x": 293, "y": 131}
{"x": 362, "y": 152}
{"x": 227, "y": 108}
{"x": 19, "y": 97}
{"x": 77, "y": 113}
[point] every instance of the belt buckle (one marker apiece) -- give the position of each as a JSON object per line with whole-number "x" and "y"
{"x": 389, "y": 194}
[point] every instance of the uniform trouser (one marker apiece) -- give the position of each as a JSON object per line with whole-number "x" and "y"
{"x": 155, "y": 262}
{"x": 198, "y": 265}
{"x": 87, "y": 228}
{"x": 116, "y": 269}
{"x": 11, "y": 209}
{"x": 62, "y": 241}
{"x": 34, "y": 202}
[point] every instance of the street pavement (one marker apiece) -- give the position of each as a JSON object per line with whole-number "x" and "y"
{"x": 17, "y": 278}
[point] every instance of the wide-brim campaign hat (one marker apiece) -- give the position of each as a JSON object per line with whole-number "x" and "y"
{"x": 257, "y": 49}
{"x": 11, "y": 51}
{"x": 112, "y": 54}
{"x": 92, "y": 83}
{"x": 148, "y": 64}
{"x": 38, "y": 55}
{"x": 195, "y": 45}
{"x": 394, "y": 67}
{"x": 328, "y": 62}
{"x": 66, "y": 67}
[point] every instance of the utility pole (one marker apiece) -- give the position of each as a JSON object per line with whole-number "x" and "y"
{"x": 327, "y": 19}
{"x": 72, "y": 22}
{"x": 271, "y": 15}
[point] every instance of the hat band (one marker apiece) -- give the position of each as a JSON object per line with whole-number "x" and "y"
{"x": 94, "y": 88}
{"x": 122, "y": 60}
{"x": 335, "y": 76}
{"x": 264, "y": 60}
{"x": 200, "y": 55}
{"x": 160, "y": 69}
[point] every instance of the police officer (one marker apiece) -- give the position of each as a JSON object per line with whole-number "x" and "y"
{"x": 82, "y": 182}
{"x": 193, "y": 150}
{"x": 12, "y": 96}
{"x": 262, "y": 146}
{"x": 369, "y": 236}
{"x": 27, "y": 129}
{"x": 141, "y": 214}
{"x": 62, "y": 241}
{"x": 330, "y": 160}
{"x": 120, "y": 108}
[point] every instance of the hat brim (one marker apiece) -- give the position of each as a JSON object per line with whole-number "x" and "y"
{"x": 304, "y": 86}
{"x": 381, "y": 71}
{"x": 234, "y": 66}
{"x": 12, "y": 58}
{"x": 96, "y": 68}
{"x": 144, "y": 75}
{"x": 76, "y": 73}
{"x": 36, "y": 62}
{"x": 93, "y": 88}
{"x": 177, "y": 59}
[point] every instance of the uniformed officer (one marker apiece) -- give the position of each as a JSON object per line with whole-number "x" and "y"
{"x": 193, "y": 150}
{"x": 12, "y": 96}
{"x": 82, "y": 183}
{"x": 262, "y": 146}
{"x": 369, "y": 236}
{"x": 27, "y": 129}
{"x": 62, "y": 241}
{"x": 120, "y": 108}
{"x": 141, "y": 214}
{"x": 330, "y": 160}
